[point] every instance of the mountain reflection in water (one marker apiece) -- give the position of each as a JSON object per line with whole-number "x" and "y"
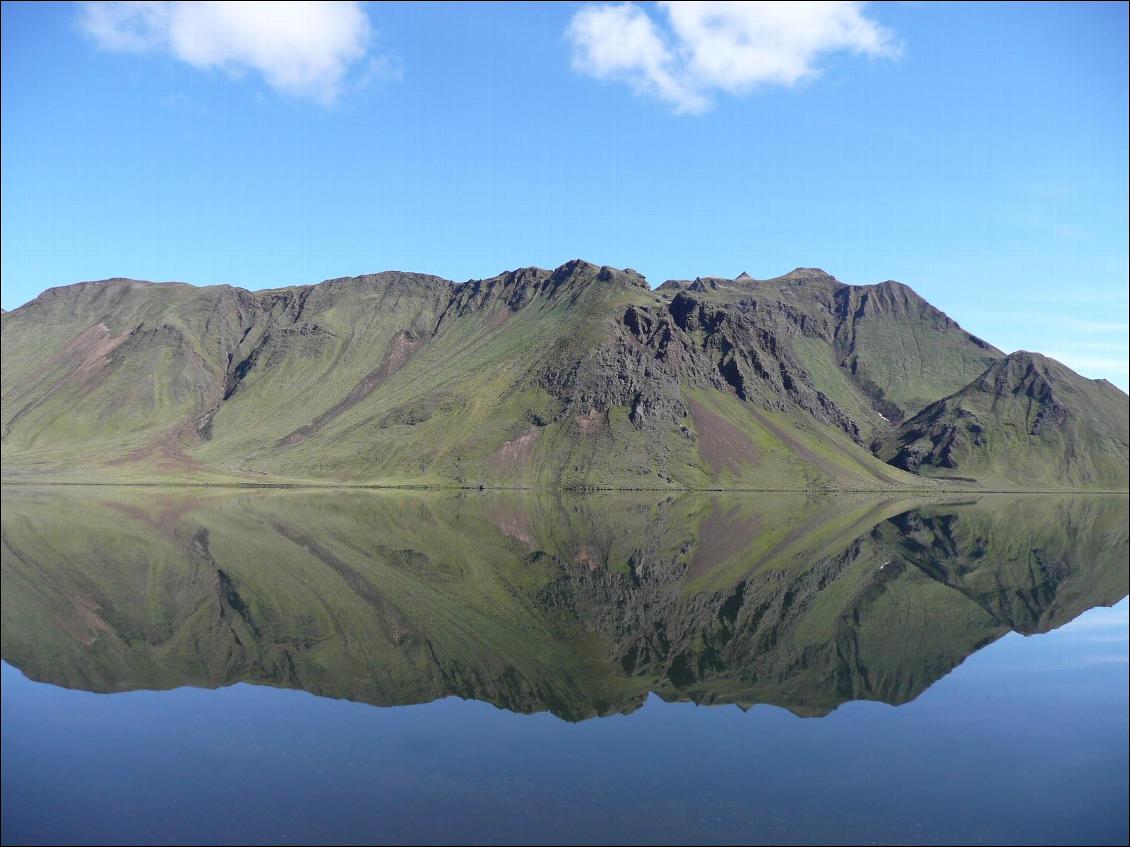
{"x": 576, "y": 604}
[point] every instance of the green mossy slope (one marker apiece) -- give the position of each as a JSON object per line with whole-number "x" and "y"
{"x": 579, "y": 377}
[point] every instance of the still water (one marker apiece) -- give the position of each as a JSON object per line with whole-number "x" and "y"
{"x": 295, "y": 666}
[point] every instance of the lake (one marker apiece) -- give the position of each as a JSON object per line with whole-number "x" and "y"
{"x": 272, "y": 665}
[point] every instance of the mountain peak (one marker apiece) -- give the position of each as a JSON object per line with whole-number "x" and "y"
{"x": 1028, "y": 356}
{"x": 575, "y": 268}
{"x": 1027, "y": 372}
{"x": 808, "y": 275}
{"x": 1027, "y": 420}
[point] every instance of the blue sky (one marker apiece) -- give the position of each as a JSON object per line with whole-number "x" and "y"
{"x": 975, "y": 152}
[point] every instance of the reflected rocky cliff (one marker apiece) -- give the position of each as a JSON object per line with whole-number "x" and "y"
{"x": 579, "y": 605}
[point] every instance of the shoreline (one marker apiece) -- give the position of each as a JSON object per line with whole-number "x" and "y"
{"x": 548, "y": 489}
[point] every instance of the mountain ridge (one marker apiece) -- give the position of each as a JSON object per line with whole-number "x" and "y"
{"x": 581, "y": 376}
{"x": 525, "y": 272}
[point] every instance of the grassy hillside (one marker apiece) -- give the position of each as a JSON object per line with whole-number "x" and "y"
{"x": 579, "y": 377}
{"x": 1027, "y": 421}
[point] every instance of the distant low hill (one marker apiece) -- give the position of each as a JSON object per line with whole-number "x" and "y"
{"x": 582, "y": 376}
{"x": 1026, "y": 421}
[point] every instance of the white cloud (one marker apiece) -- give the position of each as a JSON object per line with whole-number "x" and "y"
{"x": 702, "y": 48}
{"x": 304, "y": 49}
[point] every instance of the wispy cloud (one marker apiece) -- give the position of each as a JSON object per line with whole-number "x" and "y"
{"x": 690, "y": 51}
{"x": 1088, "y": 346}
{"x": 1056, "y": 321}
{"x": 303, "y": 49}
{"x": 1089, "y": 363}
{"x": 1113, "y": 618}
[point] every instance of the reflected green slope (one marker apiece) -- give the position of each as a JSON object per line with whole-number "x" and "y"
{"x": 577, "y": 605}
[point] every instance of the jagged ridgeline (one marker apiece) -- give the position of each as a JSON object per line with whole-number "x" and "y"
{"x": 575, "y": 604}
{"x": 578, "y": 377}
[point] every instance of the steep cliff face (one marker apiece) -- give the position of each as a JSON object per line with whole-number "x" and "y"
{"x": 880, "y": 351}
{"x": 577, "y": 376}
{"x": 653, "y": 351}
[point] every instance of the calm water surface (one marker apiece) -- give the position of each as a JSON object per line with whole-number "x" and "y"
{"x": 209, "y": 666}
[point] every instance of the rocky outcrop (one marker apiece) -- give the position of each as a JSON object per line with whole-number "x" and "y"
{"x": 654, "y": 350}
